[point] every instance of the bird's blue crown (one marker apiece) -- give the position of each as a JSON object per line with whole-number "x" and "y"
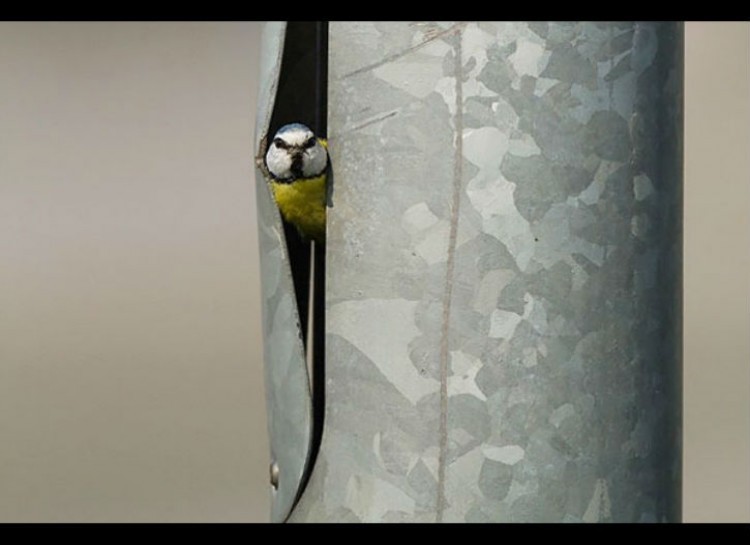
{"x": 292, "y": 127}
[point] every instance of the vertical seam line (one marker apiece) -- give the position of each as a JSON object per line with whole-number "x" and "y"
{"x": 448, "y": 292}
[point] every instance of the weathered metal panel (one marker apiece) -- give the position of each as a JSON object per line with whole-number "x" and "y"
{"x": 287, "y": 382}
{"x": 503, "y": 274}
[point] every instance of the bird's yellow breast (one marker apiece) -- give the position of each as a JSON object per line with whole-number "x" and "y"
{"x": 303, "y": 204}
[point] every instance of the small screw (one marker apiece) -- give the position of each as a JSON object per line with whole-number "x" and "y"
{"x": 274, "y": 470}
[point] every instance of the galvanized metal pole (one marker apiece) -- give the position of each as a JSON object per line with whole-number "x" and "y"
{"x": 503, "y": 274}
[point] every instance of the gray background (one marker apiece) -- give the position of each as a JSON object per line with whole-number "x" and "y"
{"x": 130, "y": 368}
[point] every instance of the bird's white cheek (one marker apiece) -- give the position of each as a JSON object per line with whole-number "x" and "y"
{"x": 279, "y": 163}
{"x": 315, "y": 163}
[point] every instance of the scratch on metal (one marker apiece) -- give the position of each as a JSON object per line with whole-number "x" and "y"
{"x": 390, "y": 58}
{"x": 372, "y": 121}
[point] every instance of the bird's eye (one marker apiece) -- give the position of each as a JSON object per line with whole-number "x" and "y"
{"x": 279, "y": 143}
{"x": 310, "y": 142}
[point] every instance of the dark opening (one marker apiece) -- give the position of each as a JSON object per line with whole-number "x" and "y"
{"x": 302, "y": 97}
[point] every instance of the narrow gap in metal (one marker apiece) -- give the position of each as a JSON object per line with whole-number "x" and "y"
{"x": 448, "y": 293}
{"x": 302, "y": 97}
{"x": 319, "y": 253}
{"x": 310, "y": 332}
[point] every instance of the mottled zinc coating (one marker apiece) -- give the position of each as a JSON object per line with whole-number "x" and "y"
{"x": 503, "y": 324}
{"x": 287, "y": 383}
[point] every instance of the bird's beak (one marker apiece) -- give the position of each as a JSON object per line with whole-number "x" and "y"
{"x": 297, "y": 162}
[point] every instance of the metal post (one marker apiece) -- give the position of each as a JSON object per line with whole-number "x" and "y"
{"x": 503, "y": 312}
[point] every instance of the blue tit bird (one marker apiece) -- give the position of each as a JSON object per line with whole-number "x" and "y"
{"x": 297, "y": 161}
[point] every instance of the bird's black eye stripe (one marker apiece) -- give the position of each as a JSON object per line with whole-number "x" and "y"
{"x": 280, "y": 143}
{"x": 310, "y": 142}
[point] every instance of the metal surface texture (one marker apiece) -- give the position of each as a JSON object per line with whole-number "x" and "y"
{"x": 286, "y": 378}
{"x": 503, "y": 274}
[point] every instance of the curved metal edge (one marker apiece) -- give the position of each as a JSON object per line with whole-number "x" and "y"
{"x": 288, "y": 397}
{"x": 272, "y": 48}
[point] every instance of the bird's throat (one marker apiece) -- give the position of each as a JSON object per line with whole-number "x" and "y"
{"x": 296, "y": 167}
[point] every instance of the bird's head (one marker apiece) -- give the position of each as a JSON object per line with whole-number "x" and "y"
{"x": 295, "y": 152}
